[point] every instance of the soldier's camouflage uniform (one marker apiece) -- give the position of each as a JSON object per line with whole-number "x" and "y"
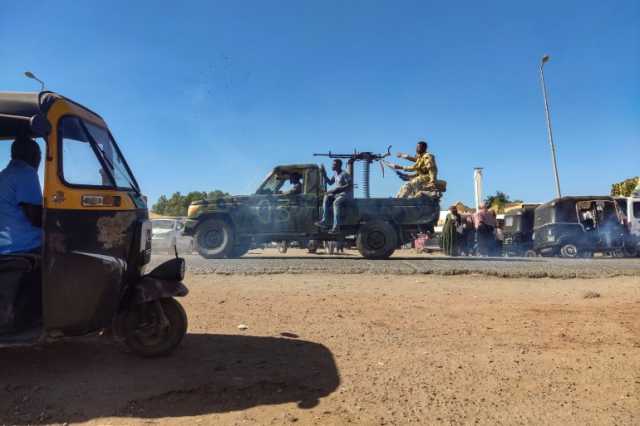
{"x": 426, "y": 174}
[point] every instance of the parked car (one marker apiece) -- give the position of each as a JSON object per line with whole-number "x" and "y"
{"x": 167, "y": 236}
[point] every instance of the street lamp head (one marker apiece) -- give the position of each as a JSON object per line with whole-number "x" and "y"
{"x": 32, "y": 76}
{"x": 545, "y": 59}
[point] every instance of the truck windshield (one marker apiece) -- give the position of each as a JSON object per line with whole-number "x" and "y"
{"x": 271, "y": 185}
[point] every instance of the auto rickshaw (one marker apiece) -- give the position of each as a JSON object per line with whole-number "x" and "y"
{"x": 518, "y": 231}
{"x": 578, "y": 227}
{"x": 88, "y": 275}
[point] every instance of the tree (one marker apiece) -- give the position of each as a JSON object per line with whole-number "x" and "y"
{"x": 498, "y": 201}
{"x": 177, "y": 204}
{"x": 625, "y": 188}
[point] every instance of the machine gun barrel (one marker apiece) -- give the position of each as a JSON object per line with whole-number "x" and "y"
{"x": 357, "y": 156}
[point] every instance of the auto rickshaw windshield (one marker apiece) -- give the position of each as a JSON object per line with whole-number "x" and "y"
{"x": 80, "y": 142}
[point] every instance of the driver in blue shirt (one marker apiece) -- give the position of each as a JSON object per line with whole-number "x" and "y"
{"x": 21, "y": 200}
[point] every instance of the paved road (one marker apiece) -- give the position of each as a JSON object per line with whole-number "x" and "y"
{"x": 500, "y": 267}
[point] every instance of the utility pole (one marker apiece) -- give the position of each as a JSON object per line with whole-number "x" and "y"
{"x": 544, "y": 60}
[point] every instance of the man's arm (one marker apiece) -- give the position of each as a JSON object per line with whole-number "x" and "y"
{"x": 406, "y": 156}
{"x": 343, "y": 185}
{"x": 29, "y": 197}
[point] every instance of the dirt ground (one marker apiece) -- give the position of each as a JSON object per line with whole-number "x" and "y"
{"x": 362, "y": 349}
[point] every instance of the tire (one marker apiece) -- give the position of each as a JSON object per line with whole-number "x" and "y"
{"x": 151, "y": 341}
{"x": 377, "y": 240}
{"x": 214, "y": 239}
{"x": 530, "y": 253}
{"x": 569, "y": 251}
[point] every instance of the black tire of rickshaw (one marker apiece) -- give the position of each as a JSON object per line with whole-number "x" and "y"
{"x": 530, "y": 253}
{"x": 178, "y": 321}
{"x": 203, "y": 251}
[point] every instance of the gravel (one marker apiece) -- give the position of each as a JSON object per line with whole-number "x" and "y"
{"x": 497, "y": 267}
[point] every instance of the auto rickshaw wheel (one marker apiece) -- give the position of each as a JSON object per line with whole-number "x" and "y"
{"x": 150, "y": 333}
{"x": 569, "y": 251}
{"x": 214, "y": 239}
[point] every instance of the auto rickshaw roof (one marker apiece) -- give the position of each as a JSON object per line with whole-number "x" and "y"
{"x": 18, "y": 109}
{"x": 576, "y": 199}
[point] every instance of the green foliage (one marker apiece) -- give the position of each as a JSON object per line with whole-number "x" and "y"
{"x": 498, "y": 201}
{"x": 625, "y": 188}
{"x": 177, "y": 204}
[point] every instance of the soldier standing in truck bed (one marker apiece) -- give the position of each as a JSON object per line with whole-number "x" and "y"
{"x": 425, "y": 168}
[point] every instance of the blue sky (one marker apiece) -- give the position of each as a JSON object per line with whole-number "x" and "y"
{"x": 211, "y": 95}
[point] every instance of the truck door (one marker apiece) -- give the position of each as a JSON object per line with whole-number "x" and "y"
{"x": 296, "y": 212}
{"x": 305, "y": 207}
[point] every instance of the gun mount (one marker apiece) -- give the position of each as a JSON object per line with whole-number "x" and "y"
{"x": 367, "y": 158}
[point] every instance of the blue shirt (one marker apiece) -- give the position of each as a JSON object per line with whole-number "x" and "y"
{"x": 18, "y": 184}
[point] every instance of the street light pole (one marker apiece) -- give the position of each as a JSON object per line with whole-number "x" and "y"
{"x": 545, "y": 59}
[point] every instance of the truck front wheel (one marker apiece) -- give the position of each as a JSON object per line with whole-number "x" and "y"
{"x": 377, "y": 240}
{"x": 214, "y": 239}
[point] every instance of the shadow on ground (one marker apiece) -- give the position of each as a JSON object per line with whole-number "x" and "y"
{"x": 87, "y": 379}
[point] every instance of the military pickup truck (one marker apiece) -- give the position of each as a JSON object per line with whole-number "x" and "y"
{"x": 226, "y": 227}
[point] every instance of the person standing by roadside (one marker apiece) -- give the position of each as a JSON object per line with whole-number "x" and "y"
{"x": 452, "y": 232}
{"x": 468, "y": 235}
{"x": 485, "y": 224}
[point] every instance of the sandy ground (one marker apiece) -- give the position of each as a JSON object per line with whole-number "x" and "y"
{"x": 362, "y": 349}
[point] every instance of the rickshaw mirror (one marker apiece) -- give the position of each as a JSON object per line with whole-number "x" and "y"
{"x": 39, "y": 126}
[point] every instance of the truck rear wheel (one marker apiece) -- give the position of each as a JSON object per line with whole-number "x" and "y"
{"x": 377, "y": 240}
{"x": 214, "y": 239}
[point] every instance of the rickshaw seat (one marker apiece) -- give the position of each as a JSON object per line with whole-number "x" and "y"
{"x": 15, "y": 273}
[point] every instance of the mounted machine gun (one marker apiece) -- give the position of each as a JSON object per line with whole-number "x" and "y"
{"x": 367, "y": 158}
